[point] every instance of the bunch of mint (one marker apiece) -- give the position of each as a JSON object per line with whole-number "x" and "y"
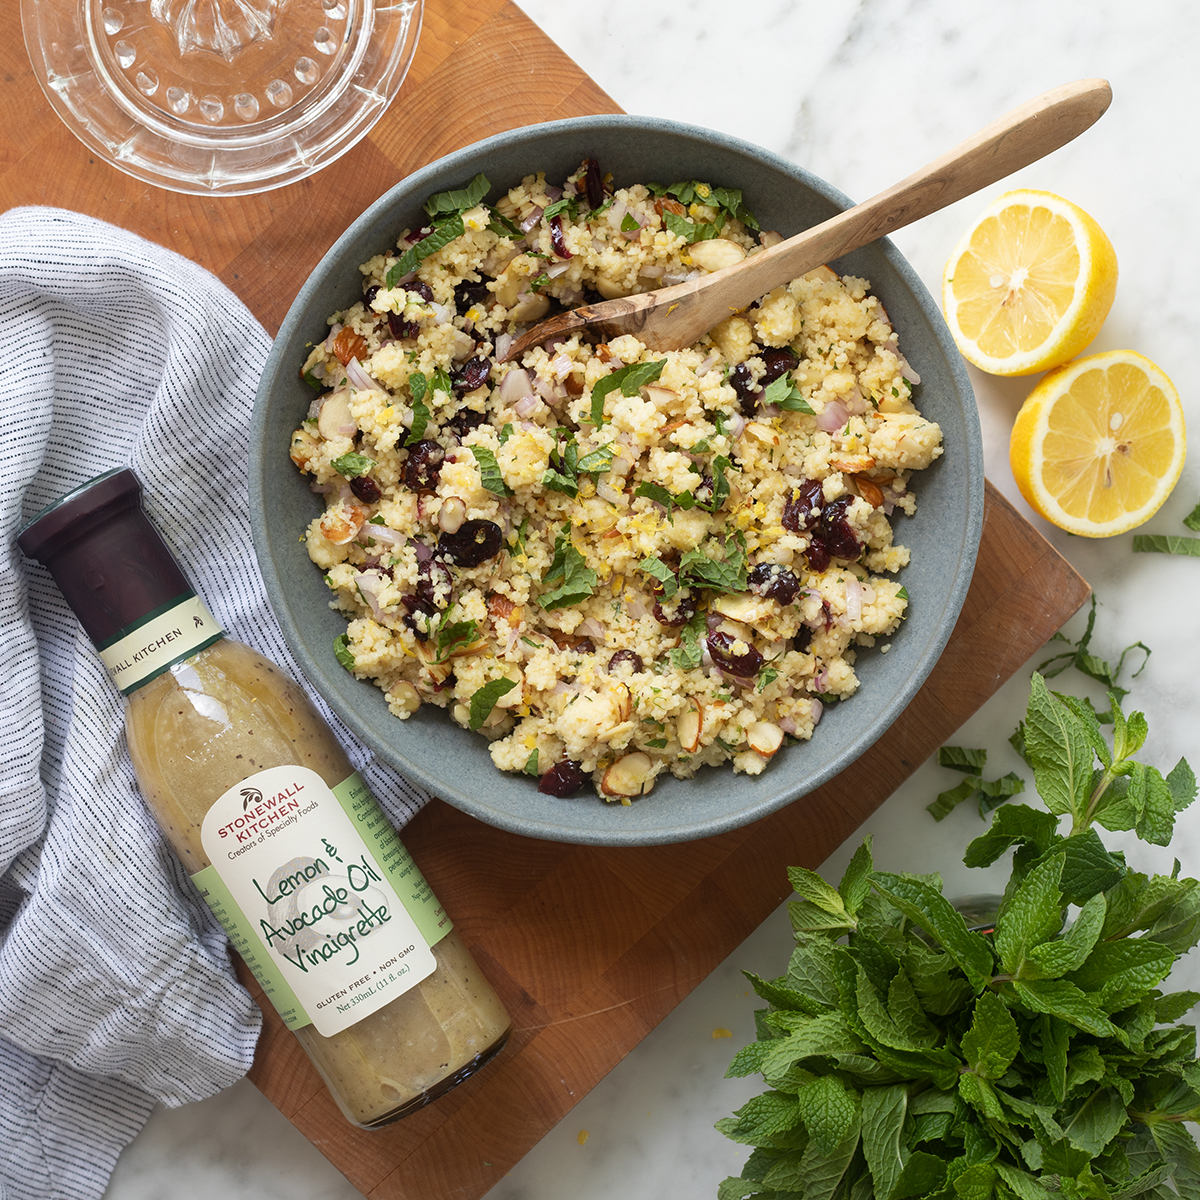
{"x": 908, "y": 1055}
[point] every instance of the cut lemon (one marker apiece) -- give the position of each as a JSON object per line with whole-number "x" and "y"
{"x": 1099, "y": 443}
{"x": 1029, "y": 285}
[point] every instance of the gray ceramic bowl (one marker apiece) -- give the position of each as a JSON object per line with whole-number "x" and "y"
{"x": 455, "y": 764}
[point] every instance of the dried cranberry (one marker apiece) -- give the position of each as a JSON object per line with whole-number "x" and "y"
{"x": 418, "y": 235}
{"x": 418, "y": 608}
{"x": 593, "y": 184}
{"x": 469, "y": 375}
{"x": 464, "y": 421}
{"x": 399, "y": 328}
{"x": 467, "y": 295}
{"x": 798, "y": 510}
{"x": 748, "y": 392}
{"x": 679, "y": 610}
{"x": 557, "y": 242}
{"x": 585, "y": 645}
{"x": 434, "y": 583}
{"x": 774, "y": 582}
{"x": 776, "y": 361}
{"x": 422, "y": 289}
{"x": 366, "y": 489}
{"x": 423, "y": 466}
{"x": 474, "y": 543}
{"x": 563, "y": 779}
{"x": 626, "y": 656}
{"x": 591, "y": 296}
{"x": 832, "y": 537}
{"x": 370, "y": 294}
{"x": 744, "y": 664}
{"x": 803, "y": 639}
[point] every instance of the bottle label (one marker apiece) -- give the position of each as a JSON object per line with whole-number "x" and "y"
{"x": 318, "y": 896}
{"x": 166, "y": 635}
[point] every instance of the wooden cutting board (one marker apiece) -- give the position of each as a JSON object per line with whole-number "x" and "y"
{"x": 590, "y": 948}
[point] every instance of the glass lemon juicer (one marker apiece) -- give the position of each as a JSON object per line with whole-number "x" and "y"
{"x": 220, "y": 97}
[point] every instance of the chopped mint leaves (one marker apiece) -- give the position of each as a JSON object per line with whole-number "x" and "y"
{"x": 352, "y": 465}
{"x": 484, "y": 699}
{"x": 489, "y": 471}
{"x": 342, "y": 651}
{"x": 458, "y": 200}
{"x": 629, "y": 379}
{"x": 575, "y": 580}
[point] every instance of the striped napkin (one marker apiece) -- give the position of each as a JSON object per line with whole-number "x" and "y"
{"x": 116, "y": 988}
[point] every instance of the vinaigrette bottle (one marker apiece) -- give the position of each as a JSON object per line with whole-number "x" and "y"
{"x": 278, "y": 832}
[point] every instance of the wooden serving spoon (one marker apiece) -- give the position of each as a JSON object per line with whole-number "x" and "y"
{"x": 677, "y": 316}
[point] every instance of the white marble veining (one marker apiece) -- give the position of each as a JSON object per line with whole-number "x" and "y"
{"x": 860, "y": 93}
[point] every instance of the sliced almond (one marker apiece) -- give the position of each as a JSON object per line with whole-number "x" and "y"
{"x": 851, "y": 464}
{"x": 822, "y": 274}
{"x": 764, "y": 738}
{"x": 624, "y": 701}
{"x": 869, "y": 492}
{"x": 716, "y": 254}
{"x": 404, "y": 696}
{"x": 335, "y": 416}
{"x": 610, "y": 289}
{"x": 688, "y": 725}
{"x": 744, "y": 607}
{"x": 628, "y": 776}
{"x": 530, "y": 307}
{"x": 660, "y": 396}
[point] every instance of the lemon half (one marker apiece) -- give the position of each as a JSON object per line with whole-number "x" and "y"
{"x": 1029, "y": 285}
{"x": 1099, "y": 443}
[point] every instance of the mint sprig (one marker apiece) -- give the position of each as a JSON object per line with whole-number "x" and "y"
{"x": 568, "y": 570}
{"x": 629, "y": 379}
{"x": 909, "y": 1055}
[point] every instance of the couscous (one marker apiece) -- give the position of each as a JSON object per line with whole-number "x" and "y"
{"x": 610, "y": 562}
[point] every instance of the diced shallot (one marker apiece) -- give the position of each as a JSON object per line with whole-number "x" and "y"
{"x": 554, "y": 270}
{"x": 381, "y": 533}
{"x": 503, "y": 344}
{"x": 788, "y": 725}
{"x": 368, "y": 584}
{"x": 736, "y": 425}
{"x": 769, "y": 411}
{"x": 833, "y": 417}
{"x": 907, "y": 371}
{"x": 817, "y": 709}
{"x": 320, "y": 488}
{"x": 562, "y": 366}
{"x": 531, "y": 220}
{"x": 359, "y": 378}
{"x": 515, "y": 386}
{"x": 854, "y": 599}
{"x": 526, "y": 406}
{"x": 606, "y": 491}
{"x": 821, "y": 680}
{"x": 334, "y": 330}
{"x": 707, "y": 365}
{"x": 590, "y": 627}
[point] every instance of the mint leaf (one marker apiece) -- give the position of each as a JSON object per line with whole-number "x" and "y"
{"x": 691, "y": 231}
{"x": 412, "y": 258}
{"x": 451, "y": 636}
{"x": 458, "y": 200}
{"x": 1096, "y": 1122}
{"x": 489, "y": 471}
{"x": 420, "y": 419}
{"x": 690, "y": 651}
{"x": 565, "y": 204}
{"x": 1062, "y": 999}
{"x": 1088, "y": 868}
{"x": 1157, "y": 543}
{"x": 1192, "y": 520}
{"x": 629, "y": 223}
{"x": 629, "y": 379}
{"x": 1060, "y": 751}
{"x": 815, "y": 890}
{"x": 782, "y": 996}
{"x": 1123, "y": 971}
{"x": 827, "y": 1112}
{"x": 1031, "y": 915}
{"x": 342, "y": 651}
{"x": 531, "y": 764}
{"x": 855, "y": 886}
{"x": 993, "y": 1040}
{"x": 725, "y": 574}
{"x": 957, "y": 758}
{"x": 576, "y": 580}
{"x": 950, "y": 799}
{"x": 923, "y": 1175}
{"x": 484, "y": 699}
{"x": 352, "y": 465}
{"x": 655, "y": 567}
{"x": 783, "y": 393}
{"x": 883, "y": 1114}
{"x": 597, "y": 461}
{"x": 1068, "y": 953}
{"x": 934, "y": 913}
{"x": 761, "y": 1117}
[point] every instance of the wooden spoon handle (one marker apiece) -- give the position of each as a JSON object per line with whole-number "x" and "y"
{"x": 674, "y": 317}
{"x": 1014, "y": 141}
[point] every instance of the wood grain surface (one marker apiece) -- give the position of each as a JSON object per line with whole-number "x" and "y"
{"x": 590, "y": 948}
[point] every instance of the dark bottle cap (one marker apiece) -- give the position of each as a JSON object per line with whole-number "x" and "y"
{"x": 107, "y": 559}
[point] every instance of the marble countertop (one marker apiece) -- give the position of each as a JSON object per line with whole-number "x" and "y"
{"x": 860, "y": 92}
